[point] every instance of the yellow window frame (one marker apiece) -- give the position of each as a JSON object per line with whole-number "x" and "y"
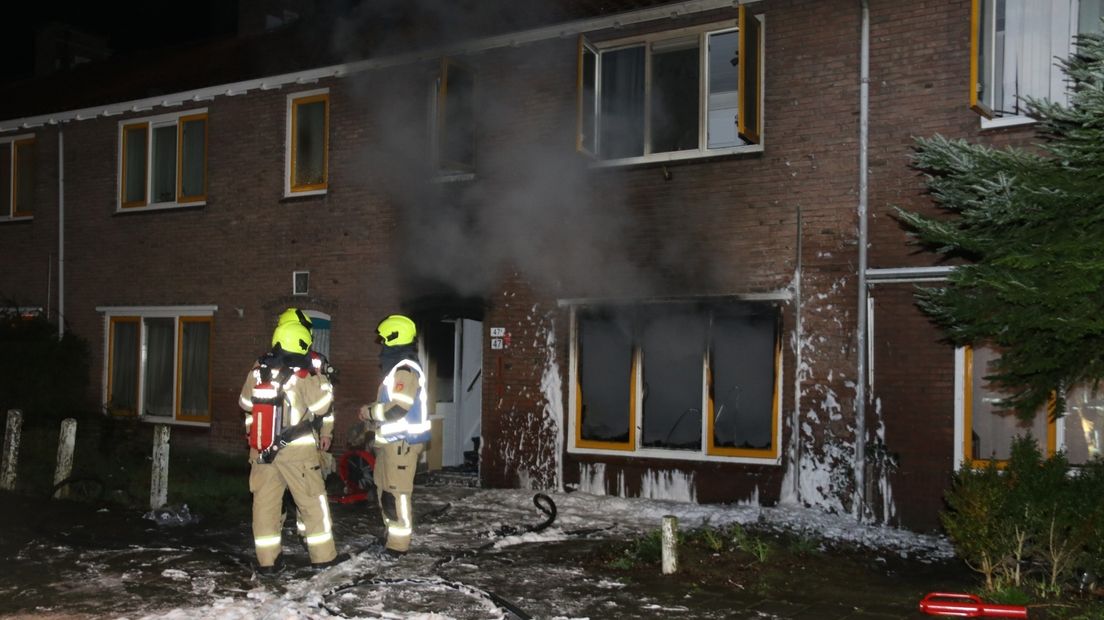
{"x": 178, "y": 406}
{"x": 145, "y": 127}
{"x": 749, "y": 114}
{"x": 975, "y": 60}
{"x": 180, "y": 122}
{"x": 15, "y": 146}
{"x": 293, "y": 184}
{"x": 968, "y": 418}
{"x": 111, "y": 362}
{"x": 712, "y": 448}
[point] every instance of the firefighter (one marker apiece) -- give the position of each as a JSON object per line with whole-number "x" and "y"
{"x": 400, "y": 418}
{"x": 285, "y": 406}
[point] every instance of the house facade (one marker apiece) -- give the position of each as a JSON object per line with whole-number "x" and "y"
{"x": 650, "y": 247}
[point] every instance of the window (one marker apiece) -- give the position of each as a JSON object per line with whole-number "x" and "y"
{"x": 308, "y": 143}
{"x": 673, "y": 95}
{"x": 453, "y": 119}
{"x": 159, "y": 364}
{"x": 1014, "y": 47}
{"x": 17, "y": 177}
{"x": 677, "y": 380}
{"x": 163, "y": 161}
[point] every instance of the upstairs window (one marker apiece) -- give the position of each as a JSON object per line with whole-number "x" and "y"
{"x": 17, "y": 177}
{"x": 677, "y": 380}
{"x": 159, "y": 365}
{"x": 1014, "y": 48}
{"x": 453, "y": 118}
{"x": 163, "y": 161}
{"x": 308, "y": 144}
{"x": 674, "y": 95}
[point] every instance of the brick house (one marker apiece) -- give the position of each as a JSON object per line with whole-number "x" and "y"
{"x": 649, "y": 245}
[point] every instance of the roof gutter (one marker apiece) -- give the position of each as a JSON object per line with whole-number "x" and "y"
{"x": 523, "y": 37}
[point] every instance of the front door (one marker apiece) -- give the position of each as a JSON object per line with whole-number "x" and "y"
{"x": 458, "y": 353}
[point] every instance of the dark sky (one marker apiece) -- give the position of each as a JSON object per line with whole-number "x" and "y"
{"x": 129, "y": 25}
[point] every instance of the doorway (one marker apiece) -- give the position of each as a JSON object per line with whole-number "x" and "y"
{"x": 455, "y": 348}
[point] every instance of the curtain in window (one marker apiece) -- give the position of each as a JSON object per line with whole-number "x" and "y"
{"x": 310, "y": 143}
{"x": 25, "y": 177}
{"x": 160, "y": 337}
{"x": 993, "y": 428}
{"x": 124, "y": 367}
{"x": 621, "y": 114}
{"x": 135, "y": 162}
{"x": 672, "y": 346}
{"x": 195, "y": 368}
{"x": 164, "y": 164}
{"x": 674, "y": 111}
{"x": 1089, "y": 14}
{"x": 193, "y": 153}
{"x": 1028, "y": 36}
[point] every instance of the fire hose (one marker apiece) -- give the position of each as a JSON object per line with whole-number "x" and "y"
{"x": 967, "y": 606}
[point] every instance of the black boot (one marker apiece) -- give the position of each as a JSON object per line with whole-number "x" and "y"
{"x": 338, "y": 559}
{"x": 270, "y": 571}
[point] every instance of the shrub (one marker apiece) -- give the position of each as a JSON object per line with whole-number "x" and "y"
{"x": 45, "y": 377}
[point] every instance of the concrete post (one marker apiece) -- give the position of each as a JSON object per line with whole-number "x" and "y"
{"x": 670, "y": 545}
{"x": 67, "y": 441}
{"x": 11, "y": 449}
{"x": 159, "y": 474}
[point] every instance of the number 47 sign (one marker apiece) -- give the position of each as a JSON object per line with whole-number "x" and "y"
{"x": 499, "y": 338}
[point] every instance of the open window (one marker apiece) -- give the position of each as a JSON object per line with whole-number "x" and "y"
{"x": 17, "y": 177}
{"x": 163, "y": 161}
{"x": 1014, "y": 45}
{"x": 308, "y": 144}
{"x": 159, "y": 365}
{"x": 678, "y": 380}
{"x": 672, "y": 95}
{"x": 454, "y": 118}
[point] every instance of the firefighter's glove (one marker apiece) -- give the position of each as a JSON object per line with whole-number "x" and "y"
{"x": 373, "y": 413}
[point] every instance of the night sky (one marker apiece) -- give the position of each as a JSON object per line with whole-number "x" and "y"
{"x": 129, "y": 25}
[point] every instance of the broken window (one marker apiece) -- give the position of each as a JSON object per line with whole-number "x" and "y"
{"x": 690, "y": 92}
{"x": 1014, "y": 44}
{"x": 163, "y": 161}
{"x": 308, "y": 142}
{"x": 707, "y": 375}
{"x": 455, "y": 118}
{"x": 17, "y": 177}
{"x": 1083, "y": 425}
{"x": 164, "y": 356}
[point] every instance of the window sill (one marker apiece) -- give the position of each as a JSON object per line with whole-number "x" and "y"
{"x": 677, "y": 156}
{"x": 1006, "y": 121}
{"x": 454, "y": 177}
{"x": 677, "y": 455}
{"x": 21, "y": 218}
{"x": 153, "y": 419}
{"x": 306, "y": 192}
{"x": 160, "y": 206}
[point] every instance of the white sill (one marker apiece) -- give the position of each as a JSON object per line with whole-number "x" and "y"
{"x": 310, "y": 192}
{"x": 677, "y": 455}
{"x": 454, "y": 177}
{"x": 677, "y": 156}
{"x": 157, "y": 419}
{"x": 1006, "y": 121}
{"x": 21, "y": 218}
{"x": 160, "y": 206}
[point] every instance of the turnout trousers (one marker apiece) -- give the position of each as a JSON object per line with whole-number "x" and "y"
{"x": 300, "y": 476}
{"x": 394, "y": 476}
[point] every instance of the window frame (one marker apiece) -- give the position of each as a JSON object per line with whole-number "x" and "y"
{"x": 708, "y": 452}
{"x": 440, "y": 120}
{"x": 9, "y": 205}
{"x": 748, "y": 129}
{"x": 151, "y": 123}
{"x": 137, "y": 315}
{"x": 291, "y": 143}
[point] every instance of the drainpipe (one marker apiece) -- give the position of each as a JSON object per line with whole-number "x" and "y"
{"x": 61, "y": 233}
{"x": 860, "y": 332}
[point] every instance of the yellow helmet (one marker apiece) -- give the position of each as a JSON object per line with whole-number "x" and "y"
{"x": 294, "y": 315}
{"x": 396, "y": 330}
{"x": 292, "y": 338}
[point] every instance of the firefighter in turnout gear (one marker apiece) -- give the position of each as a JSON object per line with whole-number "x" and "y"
{"x": 400, "y": 418}
{"x": 287, "y": 421}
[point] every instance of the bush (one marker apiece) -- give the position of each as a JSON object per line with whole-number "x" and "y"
{"x": 1038, "y": 521}
{"x": 45, "y": 377}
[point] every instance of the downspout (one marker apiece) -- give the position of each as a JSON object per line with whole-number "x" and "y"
{"x": 860, "y": 331}
{"x": 61, "y": 233}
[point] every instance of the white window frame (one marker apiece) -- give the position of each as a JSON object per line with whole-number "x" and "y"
{"x": 142, "y": 313}
{"x": 8, "y": 203}
{"x": 152, "y": 123}
{"x": 289, "y": 191}
{"x": 703, "y": 32}
{"x": 637, "y": 451}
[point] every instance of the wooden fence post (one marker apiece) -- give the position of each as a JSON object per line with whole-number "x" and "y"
{"x": 11, "y": 449}
{"x": 67, "y": 441}
{"x": 159, "y": 475}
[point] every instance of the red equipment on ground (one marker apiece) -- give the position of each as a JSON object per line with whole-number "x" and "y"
{"x": 967, "y": 606}
{"x": 355, "y": 469}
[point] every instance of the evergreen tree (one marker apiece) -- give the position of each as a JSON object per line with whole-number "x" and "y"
{"x": 1028, "y": 226}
